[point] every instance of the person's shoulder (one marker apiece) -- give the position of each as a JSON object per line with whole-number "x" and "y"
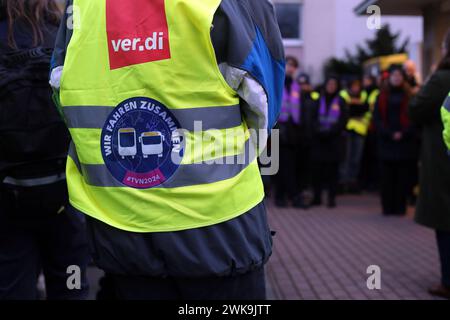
{"x": 250, "y": 7}
{"x": 255, "y": 2}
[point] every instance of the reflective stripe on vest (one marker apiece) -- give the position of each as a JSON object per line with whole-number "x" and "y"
{"x": 86, "y": 117}
{"x": 98, "y": 175}
{"x": 168, "y": 62}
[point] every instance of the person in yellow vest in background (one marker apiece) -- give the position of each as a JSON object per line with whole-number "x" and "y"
{"x": 357, "y": 128}
{"x": 152, "y": 91}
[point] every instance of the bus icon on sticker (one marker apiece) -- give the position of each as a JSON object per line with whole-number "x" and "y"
{"x": 152, "y": 144}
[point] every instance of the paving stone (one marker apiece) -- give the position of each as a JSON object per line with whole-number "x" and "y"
{"x": 324, "y": 254}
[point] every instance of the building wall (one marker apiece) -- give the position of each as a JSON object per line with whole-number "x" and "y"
{"x": 319, "y": 34}
{"x": 351, "y": 28}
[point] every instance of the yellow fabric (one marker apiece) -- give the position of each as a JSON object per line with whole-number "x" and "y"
{"x": 373, "y": 99}
{"x": 189, "y": 79}
{"x": 167, "y": 210}
{"x": 359, "y": 125}
{"x": 348, "y": 99}
{"x": 87, "y": 59}
{"x": 445, "y": 115}
{"x": 315, "y": 95}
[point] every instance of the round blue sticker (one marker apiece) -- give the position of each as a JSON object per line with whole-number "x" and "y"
{"x": 141, "y": 144}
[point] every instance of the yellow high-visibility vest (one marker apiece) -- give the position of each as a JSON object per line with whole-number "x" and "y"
{"x": 158, "y": 135}
{"x": 358, "y": 125}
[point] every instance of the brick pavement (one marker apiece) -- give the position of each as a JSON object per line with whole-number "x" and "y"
{"x": 324, "y": 254}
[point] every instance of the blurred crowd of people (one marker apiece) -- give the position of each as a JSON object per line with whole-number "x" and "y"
{"x": 355, "y": 134}
{"x": 348, "y": 135}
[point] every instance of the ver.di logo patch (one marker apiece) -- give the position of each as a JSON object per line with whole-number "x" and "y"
{"x": 137, "y": 32}
{"x": 139, "y": 141}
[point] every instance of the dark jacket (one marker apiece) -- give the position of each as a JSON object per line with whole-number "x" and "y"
{"x": 42, "y": 110}
{"x": 300, "y": 135}
{"x": 433, "y": 208}
{"x": 306, "y": 129}
{"x": 233, "y": 247}
{"x": 388, "y": 148}
{"x": 23, "y": 35}
{"x": 328, "y": 146}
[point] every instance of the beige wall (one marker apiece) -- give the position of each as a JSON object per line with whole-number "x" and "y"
{"x": 318, "y": 36}
{"x": 319, "y": 17}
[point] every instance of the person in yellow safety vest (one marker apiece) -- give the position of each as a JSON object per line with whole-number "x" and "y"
{"x": 371, "y": 88}
{"x": 187, "y": 223}
{"x": 357, "y": 127}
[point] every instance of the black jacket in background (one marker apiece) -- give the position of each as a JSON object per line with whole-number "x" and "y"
{"x": 44, "y": 106}
{"x": 433, "y": 207}
{"x": 306, "y": 128}
{"x": 328, "y": 146}
{"x": 300, "y": 135}
{"x": 388, "y": 149}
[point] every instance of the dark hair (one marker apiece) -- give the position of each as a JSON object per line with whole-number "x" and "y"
{"x": 293, "y": 60}
{"x": 445, "y": 62}
{"x": 354, "y": 81}
{"x": 330, "y": 78}
{"x": 398, "y": 67}
{"x": 34, "y": 12}
{"x": 386, "y": 86}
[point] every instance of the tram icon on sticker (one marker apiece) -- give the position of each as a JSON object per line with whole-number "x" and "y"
{"x": 127, "y": 142}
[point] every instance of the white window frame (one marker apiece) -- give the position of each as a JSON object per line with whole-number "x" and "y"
{"x": 294, "y": 42}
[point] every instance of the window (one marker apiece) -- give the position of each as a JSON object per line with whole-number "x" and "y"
{"x": 288, "y": 15}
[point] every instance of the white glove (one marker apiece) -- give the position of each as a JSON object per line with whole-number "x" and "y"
{"x": 55, "y": 77}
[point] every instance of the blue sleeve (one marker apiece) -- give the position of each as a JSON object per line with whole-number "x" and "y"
{"x": 257, "y": 48}
{"x": 269, "y": 72}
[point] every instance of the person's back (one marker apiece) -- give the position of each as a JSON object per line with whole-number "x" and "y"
{"x": 36, "y": 233}
{"x": 140, "y": 167}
